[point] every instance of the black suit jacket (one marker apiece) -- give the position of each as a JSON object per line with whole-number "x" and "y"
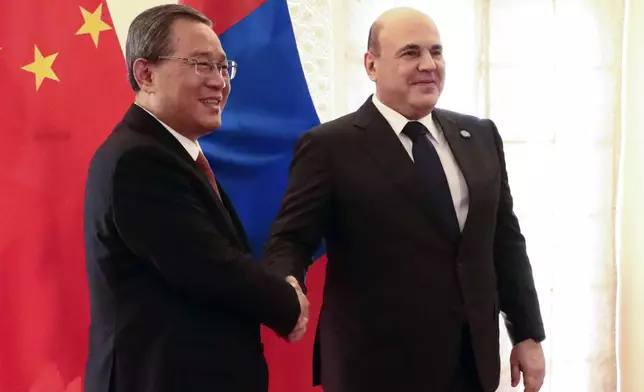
{"x": 176, "y": 299}
{"x": 398, "y": 288}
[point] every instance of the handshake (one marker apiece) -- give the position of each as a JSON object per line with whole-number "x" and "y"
{"x": 300, "y": 327}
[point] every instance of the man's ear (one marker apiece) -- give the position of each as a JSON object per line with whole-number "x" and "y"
{"x": 370, "y": 65}
{"x": 143, "y": 74}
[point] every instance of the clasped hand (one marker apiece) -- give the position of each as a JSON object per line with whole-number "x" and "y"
{"x": 300, "y": 327}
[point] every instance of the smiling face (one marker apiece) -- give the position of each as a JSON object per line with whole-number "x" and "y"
{"x": 408, "y": 68}
{"x": 188, "y": 102}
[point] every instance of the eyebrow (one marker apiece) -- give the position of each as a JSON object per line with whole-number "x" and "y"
{"x": 417, "y": 47}
{"x": 209, "y": 55}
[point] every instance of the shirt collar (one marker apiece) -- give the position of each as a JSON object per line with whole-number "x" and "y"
{"x": 193, "y": 148}
{"x": 397, "y": 121}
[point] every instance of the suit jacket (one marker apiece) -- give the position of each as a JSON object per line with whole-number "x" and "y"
{"x": 176, "y": 299}
{"x": 399, "y": 288}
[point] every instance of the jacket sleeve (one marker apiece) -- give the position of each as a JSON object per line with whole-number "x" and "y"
{"x": 517, "y": 294}
{"x": 299, "y": 227}
{"x": 160, "y": 218}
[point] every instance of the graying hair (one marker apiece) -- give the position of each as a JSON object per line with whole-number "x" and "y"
{"x": 149, "y": 35}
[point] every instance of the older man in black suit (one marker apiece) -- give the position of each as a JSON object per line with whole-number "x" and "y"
{"x": 176, "y": 299}
{"x": 424, "y": 249}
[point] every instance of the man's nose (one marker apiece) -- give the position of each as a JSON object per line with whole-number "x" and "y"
{"x": 216, "y": 80}
{"x": 427, "y": 62}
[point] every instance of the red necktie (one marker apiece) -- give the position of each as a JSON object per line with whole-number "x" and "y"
{"x": 203, "y": 164}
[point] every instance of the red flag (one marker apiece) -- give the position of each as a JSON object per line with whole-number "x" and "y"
{"x": 63, "y": 87}
{"x": 291, "y": 364}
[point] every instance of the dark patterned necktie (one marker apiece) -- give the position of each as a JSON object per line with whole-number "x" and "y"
{"x": 427, "y": 160}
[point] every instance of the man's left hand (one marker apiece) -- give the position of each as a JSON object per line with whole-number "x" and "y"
{"x": 527, "y": 358}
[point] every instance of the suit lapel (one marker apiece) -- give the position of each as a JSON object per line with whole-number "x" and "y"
{"x": 385, "y": 149}
{"x": 461, "y": 147}
{"x": 141, "y": 121}
{"x": 220, "y": 204}
{"x": 467, "y": 153}
{"x": 234, "y": 220}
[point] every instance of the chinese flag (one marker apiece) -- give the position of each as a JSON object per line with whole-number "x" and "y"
{"x": 63, "y": 87}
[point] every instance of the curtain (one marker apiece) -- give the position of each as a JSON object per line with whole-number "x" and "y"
{"x": 630, "y": 235}
{"x": 549, "y": 73}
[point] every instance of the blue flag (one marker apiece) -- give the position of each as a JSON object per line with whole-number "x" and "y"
{"x": 268, "y": 109}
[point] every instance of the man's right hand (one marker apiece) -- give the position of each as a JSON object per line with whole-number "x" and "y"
{"x": 300, "y": 327}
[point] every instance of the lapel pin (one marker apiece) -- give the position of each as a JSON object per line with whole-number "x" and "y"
{"x": 465, "y": 134}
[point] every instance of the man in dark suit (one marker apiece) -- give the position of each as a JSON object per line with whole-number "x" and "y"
{"x": 176, "y": 299}
{"x": 423, "y": 247}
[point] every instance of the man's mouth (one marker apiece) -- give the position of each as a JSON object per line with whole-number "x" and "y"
{"x": 426, "y": 83}
{"x": 211, "y": 102}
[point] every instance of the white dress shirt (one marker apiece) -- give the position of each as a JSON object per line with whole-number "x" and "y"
{"x": 455, "y": 179}
{"x": 193, "y": 148}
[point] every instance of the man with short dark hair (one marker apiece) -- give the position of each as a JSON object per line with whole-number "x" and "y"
{"x": 176, "y": 299}
{"x": 424, "y": 249}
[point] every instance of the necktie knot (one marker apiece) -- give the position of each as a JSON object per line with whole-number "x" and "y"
{"x": 414, "y": 130}
{"x": 201, "y": 160}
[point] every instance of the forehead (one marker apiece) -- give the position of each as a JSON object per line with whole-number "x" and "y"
{"x": 419, "y": 31}
{"x": 192, "y": 38}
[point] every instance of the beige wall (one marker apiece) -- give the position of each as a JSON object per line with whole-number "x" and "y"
{"x": 631, "y": 306}
{"x": 123, "y": 11}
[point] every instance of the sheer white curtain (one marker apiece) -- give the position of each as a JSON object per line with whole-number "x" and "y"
{"x": 631, "y": 210}
{"x": 548, "y": 73}
{"x": 554, "y": 74}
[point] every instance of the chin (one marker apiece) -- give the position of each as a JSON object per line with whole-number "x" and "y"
{"x": 424, "y": 104}
{"x": 211, "y": 123}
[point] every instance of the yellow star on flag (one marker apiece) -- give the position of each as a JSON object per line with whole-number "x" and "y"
{"x": 41, "y": 67}
{"x": 93, "y": 23}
